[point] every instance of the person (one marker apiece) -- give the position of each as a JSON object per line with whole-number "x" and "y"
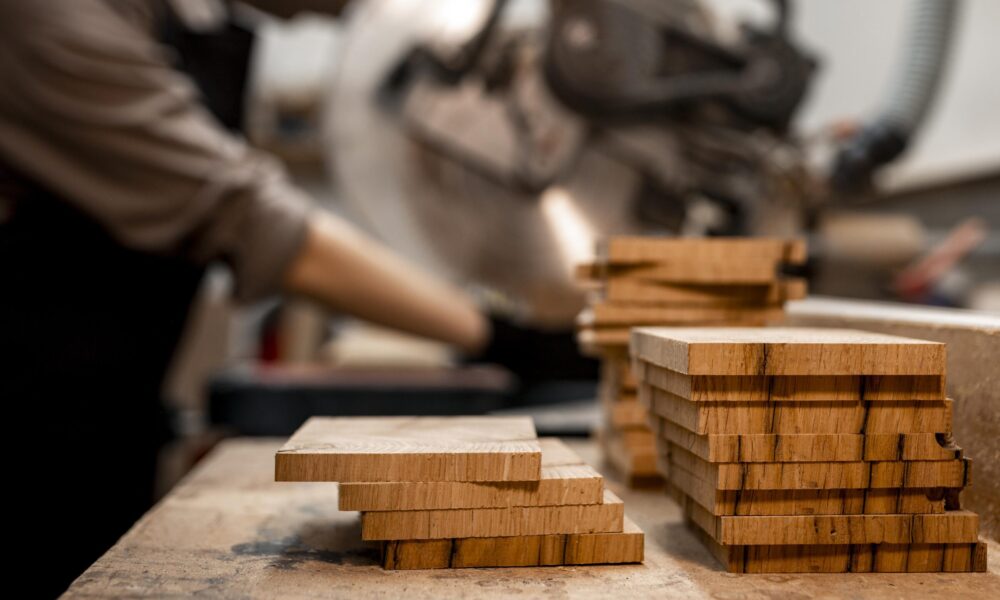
{"x": 118, "y": 187}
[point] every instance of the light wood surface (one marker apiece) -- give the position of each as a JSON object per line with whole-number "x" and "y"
{"x": 565, "y": 480}
{"x": 352, "y": 449}
{"x": 494, "y": 522}
{"x": 228, "y": 530}
{"x": 785, "y": 351}
{"x": 524, "y": 551}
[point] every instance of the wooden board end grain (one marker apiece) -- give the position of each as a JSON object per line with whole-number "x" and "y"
{"x": 785, "y": 351}
{"x": 762, "y": 388}
{"x": 565, "y": 480}
{"x": 494, "y": 522}
{"x": 524, "y": 551}
{"x": 351, "y": 449}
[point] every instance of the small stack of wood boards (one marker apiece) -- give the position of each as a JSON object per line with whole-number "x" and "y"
{"x": 449, "y": 492}
{"x": 672, "y": 281}
{"x": 810, "y": 450}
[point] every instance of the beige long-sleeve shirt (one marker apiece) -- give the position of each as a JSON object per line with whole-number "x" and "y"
{"x": 91, "y": 108}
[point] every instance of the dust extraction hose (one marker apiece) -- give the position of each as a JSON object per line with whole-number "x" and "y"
{"x": 910, "y": 97}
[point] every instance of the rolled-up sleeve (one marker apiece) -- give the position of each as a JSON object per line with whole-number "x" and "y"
{"x": 91, "y": 108}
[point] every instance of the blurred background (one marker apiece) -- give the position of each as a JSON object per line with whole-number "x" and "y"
{"x": 495, "y": 142}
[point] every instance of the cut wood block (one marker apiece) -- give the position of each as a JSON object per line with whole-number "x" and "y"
{"x": 700, "y": 251}
{"x": 824, "y": 475}
{"x": 785, "y": 351}
{"x": 850, "y": 558}
{"x": 638, "y": 291}
{"x": 632, "y": 315}
{"x": 951, "y": 527}
{"x": 813, "y": 416}
{"x": 494, "y": 522}
{"x": 638, "y": 467}
{"x": 523, "y": 551}
{"x": 731, "y": 273}
{"x": 720, "y": 388}
{"x": 638, "y": 440}
{"x": 616, "y": 374}
{"x": 807, "y": 502}
{"x": 807, "y": 447}
{"x": 566, "y": 480}
{"x": 350, "y": 449}
{"x": 623, "y": 415}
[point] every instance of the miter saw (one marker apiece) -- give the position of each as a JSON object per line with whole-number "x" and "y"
{"x": 496, "y": 140}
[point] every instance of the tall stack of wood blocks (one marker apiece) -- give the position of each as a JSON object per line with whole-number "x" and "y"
{"x": 450, "y": 492}
{"x": 810, "y": 450}
{"x": 641, "y": 281}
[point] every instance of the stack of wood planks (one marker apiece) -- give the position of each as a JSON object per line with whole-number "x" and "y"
{"x": 449, "y": 492}
{"x": 810, "y": 450}
{"x": 641, "y": 281}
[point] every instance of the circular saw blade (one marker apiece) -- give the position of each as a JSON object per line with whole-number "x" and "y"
{"x": 519, "y": 247}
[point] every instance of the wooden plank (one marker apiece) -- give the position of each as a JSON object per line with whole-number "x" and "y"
{"x": 494, "y": 522}
{"x": 951, "y": 527}
{"x": 617, "y": 376}
{"x": 785, "y": 351}
{"x": 701, "y": 388}
{"x": 565, "y": 480}
{"x": 605, "y": 314}
{"x": 954, "y": 474}
{"x": 702, "y": 251}
{"x": 351, "y": 449}
{"x": 637, "y": 466}
{"x": 851, "y": 558}
{"x": 523, "y": 551}
{"x": 627, "y": 414}
{"x": 837, "y": 447}
{"x": 730, "y": 273}
{"x": 807, "y": 502}
{"x": 638, "y": 291}
{"x": 799, "y": 417}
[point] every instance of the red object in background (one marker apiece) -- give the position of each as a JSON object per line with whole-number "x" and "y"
{"x": 917, "y": 280}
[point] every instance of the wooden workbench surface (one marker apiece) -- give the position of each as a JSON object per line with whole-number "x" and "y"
{"x": 229, "y": 530}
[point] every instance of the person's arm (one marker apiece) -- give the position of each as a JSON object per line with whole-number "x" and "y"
{"x": 350, "y": 272}
{"x": 91, "y": 108}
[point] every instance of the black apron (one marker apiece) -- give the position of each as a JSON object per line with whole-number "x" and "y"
{"x": 88, "y": 329}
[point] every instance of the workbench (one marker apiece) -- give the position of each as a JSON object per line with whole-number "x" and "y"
{"x": 228, "y": 530}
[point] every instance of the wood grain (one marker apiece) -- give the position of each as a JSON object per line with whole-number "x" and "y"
{"x": 807, "y": 502}
{"x": 785, "y": 351}
{"x": 700, "y": 251}
{"x": 837, "y": 447}
{"x": 796, "y": 417}
{"x": 523, "y": 551}
{"x": 638, "y": 291}
{"x": 352, "y": 449}
{"x": 823, "y": 475}
{"x": 850, "y": 558}
{"x": 702, "y": 388}
{"x": 605, "y": 314}
{"x": 565, "y": 480}
{"x": 494, "y": 522}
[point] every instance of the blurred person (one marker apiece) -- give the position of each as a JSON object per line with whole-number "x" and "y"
{"x": 118, "y": 186}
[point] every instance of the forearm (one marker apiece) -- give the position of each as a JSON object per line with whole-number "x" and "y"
{"x": 348, "y": 271}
